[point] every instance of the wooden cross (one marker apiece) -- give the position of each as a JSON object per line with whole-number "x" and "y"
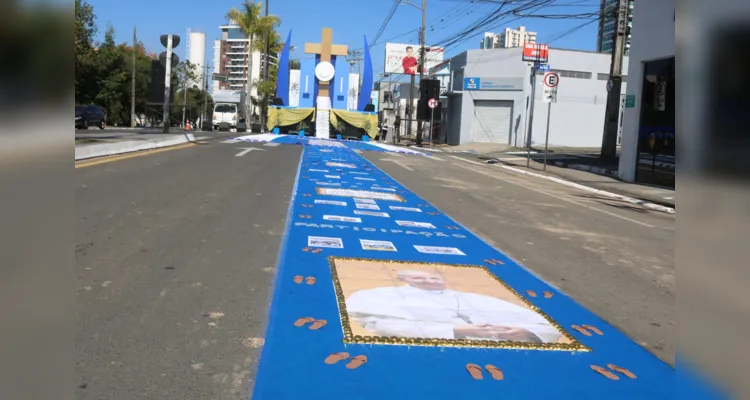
{"x": 326, "y": 49}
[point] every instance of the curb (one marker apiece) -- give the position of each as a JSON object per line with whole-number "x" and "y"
{"x": 587, "y": 168}
{"x": 110, "y": 149}
{"x": 646, "y": 204}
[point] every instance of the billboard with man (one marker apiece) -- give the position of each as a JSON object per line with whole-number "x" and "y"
{"x": 404, "y": 58}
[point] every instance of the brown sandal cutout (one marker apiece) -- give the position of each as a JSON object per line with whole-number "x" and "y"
{"x": 581, "y": 330}
{"x": 305, "y": 249}
{"x": 547, "y": 294}
{"x": 336, "y": 357}
{"x": 303, "y": 321}
{"x": 310, "y": 280}
{"x": 356, "y": 362}
{"x": 316, "y": 251}
{"x": 531, "y": 293}
{"x": 621, "y": 370}
{"x": 319, "y": 323}
{"x": 491, "y": 262}
{"x": 593, "y": 329}
{"x": 605, "y": 372}
{"x": 475, "y": 371}
{"x": 496, "y": 373}
{"x": 298, "y": 279}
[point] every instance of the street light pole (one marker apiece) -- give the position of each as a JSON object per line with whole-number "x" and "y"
{"x": 420, "y": 67}
{"x": 132, "y": 85}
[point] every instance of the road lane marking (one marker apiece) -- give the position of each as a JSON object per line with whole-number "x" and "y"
{"x": 108, "y": 159}
{"x": 247, "y": 150}
{"x": 559, "y": 198}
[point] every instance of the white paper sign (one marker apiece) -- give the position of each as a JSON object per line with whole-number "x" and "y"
{"x": 405, "y": 208}
{"x": 362, "y": 194}
{"x": 378, "y": 245}
{"x": 340, "y": 218}
{"x": 372, "y": 213}
{"x": 414, "y": 224}
{"x": 364, "y": 206}
{"x": 320, "y": 241}
{"x": 439, "y": 250}
{"x": 331, "y": 202}
{"x": 364, "y": 201}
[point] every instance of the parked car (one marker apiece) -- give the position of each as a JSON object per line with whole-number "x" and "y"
{"x": 90, "y": 116}
{"x": 225, "y": 112}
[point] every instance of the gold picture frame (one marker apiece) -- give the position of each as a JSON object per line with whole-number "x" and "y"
{"x": 351, "y": 338}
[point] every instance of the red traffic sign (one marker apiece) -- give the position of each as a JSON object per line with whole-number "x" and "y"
{"x": 551, "y": 79}
{"x": 432, "y": 103}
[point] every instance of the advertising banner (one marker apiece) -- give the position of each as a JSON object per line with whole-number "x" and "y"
{"x": 404, "y": 58}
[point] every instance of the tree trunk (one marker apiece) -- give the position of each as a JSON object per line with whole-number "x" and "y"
{"x": 249, "y": 83}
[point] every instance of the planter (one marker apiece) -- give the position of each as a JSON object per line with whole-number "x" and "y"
{"x": 338, "y": 136}
{"x": 301, "y": 133}
{"x": 275, "y": 130}
{"x": 365, "y": 138}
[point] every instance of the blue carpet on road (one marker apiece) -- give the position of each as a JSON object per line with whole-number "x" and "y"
{"x": 402, "y": 364}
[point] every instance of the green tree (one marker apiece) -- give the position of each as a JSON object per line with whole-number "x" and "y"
{"x": 84, "y": 31}
{"x": 248, "y": 18}
{"x": 111, "y": 77}
{"x": 294, "y": 64}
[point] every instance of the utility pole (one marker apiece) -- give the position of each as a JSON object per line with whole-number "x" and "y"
{"x": 422, "y": 63}
{"x": 132, "y": 85}
{"x": 420, "y": 67}
{"x": 614, "y": 85}
{"x": 266, "y": 69}
{"x": 355, "y": 56}
{"x": 167, "y": 83}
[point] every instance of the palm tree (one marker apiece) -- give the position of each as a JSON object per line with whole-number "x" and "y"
{"x": 248, "y": 18}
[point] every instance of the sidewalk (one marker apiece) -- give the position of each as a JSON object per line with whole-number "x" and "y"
{"x": 112, "y": 142}
{"x": 653, "y": 194}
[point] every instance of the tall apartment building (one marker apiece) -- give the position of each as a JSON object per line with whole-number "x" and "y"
{"x": 232, "y": 58}
{"x": 508, "y": 39}
{"x": 605, "y": 38}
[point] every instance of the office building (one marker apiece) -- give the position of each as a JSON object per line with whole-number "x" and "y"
{"x": 509, "y": 38}
{"x": 489, "y": 92}
{"x": 607, "y": 26}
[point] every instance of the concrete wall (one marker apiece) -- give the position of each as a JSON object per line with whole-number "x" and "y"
{"x": 577, "y": 119}
{"x": 653, "y": 39}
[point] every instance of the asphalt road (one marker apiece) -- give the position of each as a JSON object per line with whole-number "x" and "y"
{"x": 176, "y": 253}
{"x": 614, "y": 258}
{"x": 175, "y": 256}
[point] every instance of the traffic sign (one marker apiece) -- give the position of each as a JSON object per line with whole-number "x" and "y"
{"x": 542, "y": 67}
{"x": 551, "y": 80}
{"x": 432, "y": 103}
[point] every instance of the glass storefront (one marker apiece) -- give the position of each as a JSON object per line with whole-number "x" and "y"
{"x": 656, "y": 133}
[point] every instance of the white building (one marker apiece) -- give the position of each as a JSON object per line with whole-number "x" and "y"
{"x": 510, "y": 38}
{"x": 649, "y": 115}
{"x": 196, "y": 54}
{"x": 489, "y": 99}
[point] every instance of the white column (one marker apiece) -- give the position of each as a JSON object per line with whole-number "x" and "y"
{"x": 323, "y": 118}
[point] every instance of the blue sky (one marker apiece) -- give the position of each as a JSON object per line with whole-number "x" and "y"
{"x": 350, "y": 20}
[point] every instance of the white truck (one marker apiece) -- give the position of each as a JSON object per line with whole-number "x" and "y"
{"x": 226, "y": 112}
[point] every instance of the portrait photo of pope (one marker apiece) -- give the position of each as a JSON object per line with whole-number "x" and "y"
{"x": 413, "y": 300}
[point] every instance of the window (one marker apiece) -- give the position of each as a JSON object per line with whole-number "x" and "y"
{"x": 569, "y": 74}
